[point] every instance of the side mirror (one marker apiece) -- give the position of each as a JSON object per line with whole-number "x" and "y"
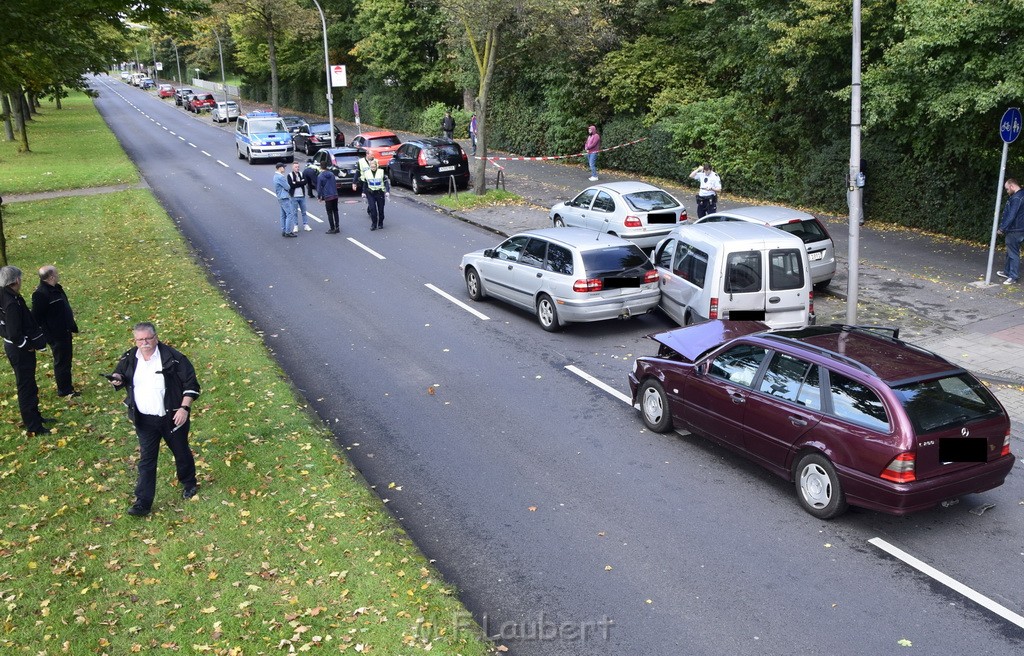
{"x": 701, "y": 369}
{"x": 489, "y": 252}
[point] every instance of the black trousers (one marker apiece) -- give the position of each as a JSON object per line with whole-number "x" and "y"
{"x": 61, "y": 347}
{"x": 375, "y": 205}
{"x": 23, "y": 362}
{"x": 706, "y": 205}
{"x": 151, "y": 429}
{"x": 331, "y": 206}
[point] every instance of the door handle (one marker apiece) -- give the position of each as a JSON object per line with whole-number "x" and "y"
{"x": 510, "y": 267}
{"x": 774, "y": 299}
{"x": 797, "y": 421}
{"x": 539, "y": 274}
{"x": 737, "y": 397}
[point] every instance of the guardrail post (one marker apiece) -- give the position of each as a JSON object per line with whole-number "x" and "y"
{"x": 499, "y": 180}
{"x": 453, "y": 188}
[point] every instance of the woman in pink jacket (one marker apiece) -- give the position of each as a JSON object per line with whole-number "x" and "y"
{"x": 592, "y": 145}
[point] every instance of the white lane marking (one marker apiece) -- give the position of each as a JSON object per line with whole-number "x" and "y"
{"x": 593, "y": 381}
{"x": 315, "y": 218}
{"x": 270, "y": 192}
{"x": 456, "y": 301}
{"x": 192, "y": 144}
{"x": 367, "y": 249}
{"x": 173, "y": 132}
{"x": 165, "y": 127}
{"x": 223, "y": 164}
{"x": 949, "y": 582}
{"x": 242, "y": 175}
{"x": 206, "y": 153}
{"x": 182, "y": 138}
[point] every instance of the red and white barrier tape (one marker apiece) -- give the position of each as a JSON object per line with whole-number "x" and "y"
{"x": 550, "y": 157}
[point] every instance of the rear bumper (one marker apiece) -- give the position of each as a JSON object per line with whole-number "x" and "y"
{"x": 441, "y": 179}
{"x": 603, "y": 308}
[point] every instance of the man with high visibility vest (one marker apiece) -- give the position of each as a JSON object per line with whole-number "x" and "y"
{"x": 364, "y": 171}
{"x": 376, "y": 190}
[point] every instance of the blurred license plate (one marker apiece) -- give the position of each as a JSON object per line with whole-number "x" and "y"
{"x": 442, "y": 169}
{"x": 387, "y": 153}
{"x": 816, "y": 256}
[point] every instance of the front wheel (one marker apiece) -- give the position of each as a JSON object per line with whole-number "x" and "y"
{"x": 818, "y": 487}
{"x": 473, "y": 284}
{"x": 547, "y": 314}
{"x": 239, "y": 152}
{"x": 654, "y": 407}
{"x": 416, "y": 186}
{"x": 558, "y": 222}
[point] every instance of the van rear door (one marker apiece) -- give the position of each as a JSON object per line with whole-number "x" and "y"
{"x": 787, "y": 303}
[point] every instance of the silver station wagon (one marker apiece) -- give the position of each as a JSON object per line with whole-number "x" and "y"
{"x": 636, "y": 211}
{"x": 565, "y": 275}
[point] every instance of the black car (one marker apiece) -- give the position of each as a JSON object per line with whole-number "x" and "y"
{"x": 293, "y": 123}
{"x": 311, "y": 138}
{"x": 428, "y": 163}
{"x": 343, "y": 162}
{"x": 181, "y": 94}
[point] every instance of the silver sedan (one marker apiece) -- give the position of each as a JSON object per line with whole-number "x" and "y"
{"x": 635, "y": 211}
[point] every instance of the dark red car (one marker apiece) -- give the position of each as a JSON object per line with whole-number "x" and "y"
{"x": 852, "y": 415}
{"x": 201, "y": 102}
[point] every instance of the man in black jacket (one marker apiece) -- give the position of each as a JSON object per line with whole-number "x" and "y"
{"x": 22, "y": 338}
{"x": 53, "y": 313}
{"x": 161, "y": 385}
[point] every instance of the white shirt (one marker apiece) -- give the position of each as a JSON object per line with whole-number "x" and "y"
{"x": 149, "y": 385}
{"x": 710, "y": 183}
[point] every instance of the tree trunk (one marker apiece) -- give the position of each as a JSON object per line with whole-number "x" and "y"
{"x": 58, "y": 92}
{"x": 8, "y": 126}
{"x": 19, "y": 119}
{"x": 26, "y": 111}
{"x": 480, "y": 188}
{"x": 3, "y": 238}
{"x": 272, "y": 56}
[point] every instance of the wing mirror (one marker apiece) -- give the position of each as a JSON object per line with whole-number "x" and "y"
{"x": 489, "y": 252}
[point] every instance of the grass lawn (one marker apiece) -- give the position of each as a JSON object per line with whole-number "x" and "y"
{"x": 69, "y": 148}
{"x": 285, "y": 548}
{"x": 467, "y": 200}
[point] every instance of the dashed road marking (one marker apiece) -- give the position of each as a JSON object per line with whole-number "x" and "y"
{"x": 243, "y": 176}
{"x": 604, "y": 386}
{"x": 478, "y": 315}
{"x": 367, "y": 249}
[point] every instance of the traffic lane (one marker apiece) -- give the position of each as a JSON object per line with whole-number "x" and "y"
{"x": 292, "y": 342}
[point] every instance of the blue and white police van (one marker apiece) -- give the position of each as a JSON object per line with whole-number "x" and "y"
{"x": 263, "y": 135}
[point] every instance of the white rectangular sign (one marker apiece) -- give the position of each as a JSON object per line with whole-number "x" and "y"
{"x": 338, "y": 76}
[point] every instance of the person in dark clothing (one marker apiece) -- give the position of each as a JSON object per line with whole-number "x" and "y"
{"x": 1012, "y": 228}
{"x": 22, "y": 338}
{"x": 376, "y": 190}
{"x": 448, "y": 125}
{"x": 161, "y": 386}
{"x": 52, "y": 311}
{"x": 327, "y": 190}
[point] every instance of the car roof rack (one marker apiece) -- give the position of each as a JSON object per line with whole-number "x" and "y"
{"x": 820, "y": 350}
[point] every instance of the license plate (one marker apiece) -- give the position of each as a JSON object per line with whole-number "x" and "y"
{"x": 387, "y": 153}
{"x": 443, "y": 169}
{"x": 816, "y": 256}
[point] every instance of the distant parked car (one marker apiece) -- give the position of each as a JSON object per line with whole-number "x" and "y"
{"x": 165, "y": 91}
{"x": 820, "y": 249}
{"x": 201, "y": 102}
{"x": 225, "y": 111}
{"x": 311, "y": 138}
{"x": 382, "y": 144}
{"x": 428, "y": 163}
{"x": 293, "y": 123}
{"x": 636, "y": 211}
{"x": 850, "y": 415}
{"x": 126, "y": 76}
{"x": 565, "y": 275}
{"x": 342, "y": 162}
{"x": 181, "y": 94}
{"x": 146, "y": 83}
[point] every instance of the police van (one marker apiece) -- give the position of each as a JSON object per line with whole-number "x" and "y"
{"x": 263, "y": 135}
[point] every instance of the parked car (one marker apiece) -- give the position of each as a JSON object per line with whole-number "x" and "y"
{"x": 565, "y": 275}
{"x": 820, "y": 249}
{"x": 851, "y": 415}
{"x": 343, "y": 162}
{"x": 734, "y": 270}
{"x": 311, "y": 138}
{"x": 201, "y": 102}
{"x": 225, "y": 111}
{"x": 636, "y": 211}
{"x": 147, "y": 83}
{"x": 428, "y": 163}
{"x": 293, "y": 123}
{"x": 181, "y": 95}
{"x": 262, "y": 135}
{"x": 382, "y": 144}
{"x": 165, "y": 91}
{"x": 126, "y": 76}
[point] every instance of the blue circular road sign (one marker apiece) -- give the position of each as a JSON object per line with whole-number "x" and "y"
{"x": 1009, "y": 125}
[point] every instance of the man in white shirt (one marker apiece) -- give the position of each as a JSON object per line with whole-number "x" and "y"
{"x": 710, "y": 185}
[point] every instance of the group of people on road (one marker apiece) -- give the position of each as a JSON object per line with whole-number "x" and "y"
{"x": 160, "y": 382}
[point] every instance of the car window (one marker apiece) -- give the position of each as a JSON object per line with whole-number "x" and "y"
{"x": 809, "y": 231}
{"x": 739, "y": 364}
{"x": 533, "y": 254}
{"x": 347, "y": 161}
{"x": 794, "y": 380}
{"x": 511, "y": 248}
{"x": 616, "y": 260}
{"x": 948, "y": 401}
{"x": 663, "y": 258}
{"x": 691, "y": 264}
{"x": 856, "y": 402}
{"x": 559, "y": 260}
{"x": 743, "y": 272}
{"x": 585, "y": 198}
{"x": 785, "y": 269}
{"x": 384, "y": 142}
{"x": 604, "y": 203}
{"x": 650, "y": 201}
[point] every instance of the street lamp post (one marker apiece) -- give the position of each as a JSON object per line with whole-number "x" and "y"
{"x": 327, "y": 71}
{"x": 178, "y": 60}
{"x": 854, "y": 184}
{"x": 223, "y": 78}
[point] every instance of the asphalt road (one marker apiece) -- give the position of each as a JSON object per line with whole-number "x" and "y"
{"x": 567, "y": 527}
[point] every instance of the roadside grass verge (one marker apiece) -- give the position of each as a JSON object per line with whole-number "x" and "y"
{"x": 70, "y": 148}
{"x": 285, "y": 548}
{"x": 467, "y": 200}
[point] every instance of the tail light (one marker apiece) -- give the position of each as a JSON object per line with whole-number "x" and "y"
{"x": 1006, "y": 445}
{"x": 314, "y": 138}
{"x": 810, "y": 303}
{"x": 901, "y": 469}
{"x": 633, "y": 222}
{"x": 421, "y": 159}
{"x": 651, "y": 276}
{"x": 713, "y": 310}
{"x": 464, "y": 157}
{"x": 588, "y": 285}
{"x": 683, "y": 217}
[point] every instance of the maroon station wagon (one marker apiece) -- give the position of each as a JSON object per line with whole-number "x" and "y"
{"x": 851, "y": 415}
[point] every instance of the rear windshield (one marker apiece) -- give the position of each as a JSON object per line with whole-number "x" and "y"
{"x": 946, "y": 402}
{"x": 743, "y": 272}
{"x": 809, "y": 230}
{"x": 321, "y": 128}
{"x": 448, "y": 152}
{"x": 205, "y": 96}
{"x": 650, "y": 201}
{"x": 346, "y": 161}
{"x": 384, "y": 142}
{"x": 616, "y": 260}
{"x": 785, "y": 269}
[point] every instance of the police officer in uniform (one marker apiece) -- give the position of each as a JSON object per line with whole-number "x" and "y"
{"x": 376, "y": 190}
{"x": 22, "y": 338}
{"x": 52, "y": 311}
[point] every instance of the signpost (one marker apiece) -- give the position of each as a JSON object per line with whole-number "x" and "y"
{"x": 355, "y": 110}
{"x": 1009, "y": 130}
{"x": 338, "y": 76}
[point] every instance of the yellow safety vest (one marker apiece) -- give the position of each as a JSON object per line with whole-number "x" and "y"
{"x": 375, "y": 181}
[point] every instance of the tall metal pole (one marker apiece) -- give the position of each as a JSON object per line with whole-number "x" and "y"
{"x": 223, "y": 78}
{"x": 327, "y": 70}
{"x": 178, "y": 60}
{"x": 854, "y": 192}
{"x": 156, "y": 75}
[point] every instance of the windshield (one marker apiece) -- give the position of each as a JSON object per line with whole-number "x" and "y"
{"x": 943, "y": 402}
{"x": 650, "y": 201}
{"x": 615, "y": 260}
{"x": 263, "y": 125}
{"x": 809, "y": 231}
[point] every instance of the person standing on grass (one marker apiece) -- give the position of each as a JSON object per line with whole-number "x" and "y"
{"x": 327, "y": 190}
{"x": 376, "y": 191}
{"x": 52, "y": 311}
{"x": 284, "y": 199}
{"x": 299, "y": 188}
{"x": 161, "y": 387}
{"x": 592, "y": 146}
{"x": 22, "y": 338}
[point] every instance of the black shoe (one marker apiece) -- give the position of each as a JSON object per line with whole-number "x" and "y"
{"x": 138, "y": 510}
{"x": 71, "y": 394}
{"x": 190, "y": 492}
{"x": 373, "y": 227}
{"x": 41, "y": 430}
{"x": 291, "y": 234}
{"x": 380, "y": 226}
{"x": 48, "y": 420}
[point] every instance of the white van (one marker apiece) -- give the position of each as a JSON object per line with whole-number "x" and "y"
{"x": 733, "y": 270}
